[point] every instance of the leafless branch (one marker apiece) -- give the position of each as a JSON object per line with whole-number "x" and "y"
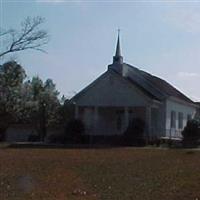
{"x": 29, "y": 37}
{"x": 5, "y": 32}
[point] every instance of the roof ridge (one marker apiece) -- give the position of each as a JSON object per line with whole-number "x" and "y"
{"x": 159, "y": 85}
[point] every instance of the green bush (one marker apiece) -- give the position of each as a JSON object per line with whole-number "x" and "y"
{"x": 2, "y": 135}
{"x": 191, "y": 133}
{"x": 134, "y": 135}
{"x": 57, "y": 138}
{"x": 33, "y": 138}
{"x": 74, "y": 130}
{"x": 4, "y": 123}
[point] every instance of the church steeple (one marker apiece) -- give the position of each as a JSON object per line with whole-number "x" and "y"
{"x": 118, "y": 65}
{"x": 118, "y": 59}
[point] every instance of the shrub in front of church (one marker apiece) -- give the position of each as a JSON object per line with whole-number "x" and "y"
{"x": 191, "y": 133}
{"x": 74, "y": 131}
{"x": 134, "y": 135}
{"x": 34, "y": 138}
{"x": 4, "y": 123}
{"x": 57, "y": 138}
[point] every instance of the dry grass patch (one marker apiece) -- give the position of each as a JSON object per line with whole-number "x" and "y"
{"x": 119, "y": 173}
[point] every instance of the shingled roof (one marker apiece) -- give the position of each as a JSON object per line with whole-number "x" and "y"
{"x": 152, "y": 85}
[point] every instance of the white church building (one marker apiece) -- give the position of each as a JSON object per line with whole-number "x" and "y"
{"x": 123, "y": 92}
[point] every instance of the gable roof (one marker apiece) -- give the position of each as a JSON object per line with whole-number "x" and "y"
{"x": 74, "y": 98}
{"x": 158, "y": 88}
{"x": 154, "y": 87}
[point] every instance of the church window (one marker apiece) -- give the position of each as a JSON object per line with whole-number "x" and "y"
{"x": 180, "y": 120}
{"x": 173, "y": 119}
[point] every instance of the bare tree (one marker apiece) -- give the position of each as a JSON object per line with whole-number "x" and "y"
{"x": 29, "y": 37}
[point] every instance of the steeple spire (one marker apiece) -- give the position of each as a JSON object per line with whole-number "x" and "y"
{"x": 118, "y": 59}
{"x": 118, "y": 50}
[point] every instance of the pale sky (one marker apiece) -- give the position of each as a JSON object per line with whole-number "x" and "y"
{"x": 160, "y": 37}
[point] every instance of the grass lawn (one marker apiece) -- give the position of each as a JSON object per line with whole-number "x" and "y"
{"x": 118, "y": 173}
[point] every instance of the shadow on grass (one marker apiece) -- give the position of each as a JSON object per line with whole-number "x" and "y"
{"x": 27, "y": 145}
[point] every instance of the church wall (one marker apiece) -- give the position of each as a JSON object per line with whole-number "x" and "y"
{"x": 177, "y": 107}
{"x": 107, "y": 120}
{"x": 110, "y": 94}
{"x": 158, "y": 121}
{"x": 112, "y": 91}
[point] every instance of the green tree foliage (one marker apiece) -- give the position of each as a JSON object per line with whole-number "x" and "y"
{"x": 67, "y": 110}
{"x": 12, "y": 76}
{"x": 191, "y": 133}
{"x": 31, "y": 101}
{"x": 43, "y": 105}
